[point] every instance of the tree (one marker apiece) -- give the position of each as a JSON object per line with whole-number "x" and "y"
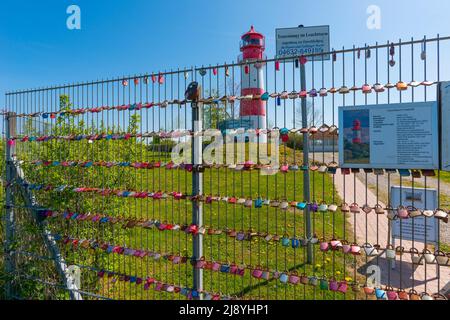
{"x": 314, "y": 115}
{"x": 214, "y": 114}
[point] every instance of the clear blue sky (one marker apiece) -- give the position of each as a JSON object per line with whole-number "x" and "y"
{"x": 136, "y": 36}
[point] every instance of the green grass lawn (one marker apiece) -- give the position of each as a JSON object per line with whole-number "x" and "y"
{"x": 445, "y": 176}
{"x": 219, "y": 248}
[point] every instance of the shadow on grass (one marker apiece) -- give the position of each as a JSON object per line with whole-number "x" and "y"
{"x": 250, "y": 288}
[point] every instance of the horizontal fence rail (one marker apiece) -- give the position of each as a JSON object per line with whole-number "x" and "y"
{"x": 135, "y": 224}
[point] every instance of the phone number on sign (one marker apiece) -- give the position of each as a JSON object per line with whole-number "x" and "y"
{"x": 295, "y": 51}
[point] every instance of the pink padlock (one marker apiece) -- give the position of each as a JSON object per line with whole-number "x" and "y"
{"x": 176, "y": 260}
{"x": 354, "y": 208}
{"x": 402, "y": 212}
{"x": 177, "y": 195}
{"x": 233, "y": 269}
{"x": 355, "y": 249}
{"x": 257, "y": 273}
{"x": 392, "y": 294}
{"x": 294, "y": 278}
{"x": 200, "y": 264}
{"x": 336, "y": 244}
{"x": 367, "y": 88}
{"x": 346, "y": 247}
{"x": 324, "y": 246}
{"x": 342, "y": 287}
{"x": 215, "y": 266}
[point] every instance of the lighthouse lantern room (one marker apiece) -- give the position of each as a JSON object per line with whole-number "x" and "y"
{"x": 252, "y": 45}
{"x": 252, "y": 78}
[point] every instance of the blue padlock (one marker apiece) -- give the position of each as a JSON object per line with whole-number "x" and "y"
{"x": 380, "y": 294}
{"x": 104, "y": 220}
{"x": 301, "y": 205}
{"x": 258, "y": 203}
{"x": 284, "y": 278}
{"x": 89, "y": 164}
{"x": 194, "y": 293}
{"x": 284, "y": 131}
{"x": 225, "y": 268}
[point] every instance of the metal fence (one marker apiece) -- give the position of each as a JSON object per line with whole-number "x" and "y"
{"x": 95, "y": 209}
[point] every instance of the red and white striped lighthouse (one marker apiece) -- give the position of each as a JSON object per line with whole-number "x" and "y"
{"x": 356, "y": 132}
{"x": 252, "y": 79}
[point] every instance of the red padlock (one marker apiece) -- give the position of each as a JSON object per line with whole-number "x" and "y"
{"x": 277, "y": 65}
{"x": 303, "y": 60}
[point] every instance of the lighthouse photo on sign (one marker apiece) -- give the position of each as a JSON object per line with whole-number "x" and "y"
{"x": 356, "y": 136}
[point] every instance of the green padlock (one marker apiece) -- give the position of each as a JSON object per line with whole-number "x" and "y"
{"x": 323, "y": 284}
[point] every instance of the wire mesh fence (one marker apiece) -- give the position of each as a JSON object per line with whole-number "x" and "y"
{"x": 92, "y": 185}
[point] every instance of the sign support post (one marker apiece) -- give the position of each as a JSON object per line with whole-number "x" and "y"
{"x": 197, "y": 188}
{"x": 306, "y": 177}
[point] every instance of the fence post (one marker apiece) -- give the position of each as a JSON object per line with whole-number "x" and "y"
{"x": 197, "y": 188}
{"x": 306, "y": 178}
{"x": 14, "y": 173}
{"x": 9, "y": 205}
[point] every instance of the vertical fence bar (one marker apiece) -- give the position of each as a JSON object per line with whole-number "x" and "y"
{"x": 197, "y": 190}
{"x": 306, "y": 179}
{"x": 9, "y": 205}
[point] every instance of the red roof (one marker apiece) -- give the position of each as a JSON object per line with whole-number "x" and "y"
{"x": 253, "y": 33}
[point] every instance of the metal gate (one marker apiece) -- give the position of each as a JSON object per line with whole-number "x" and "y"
{"x": 96, "y": 209}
